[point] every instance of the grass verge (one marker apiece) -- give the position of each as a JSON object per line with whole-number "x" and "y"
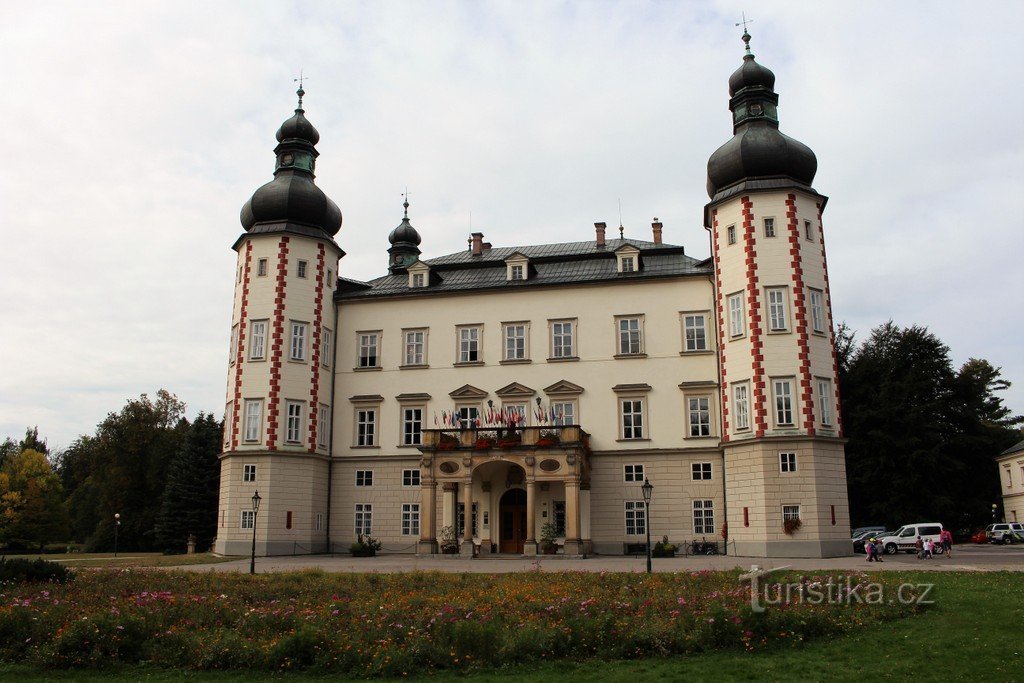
{"x": 107, "y": 560}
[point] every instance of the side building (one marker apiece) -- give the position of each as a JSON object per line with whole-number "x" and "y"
{"x": 466, "y": 402}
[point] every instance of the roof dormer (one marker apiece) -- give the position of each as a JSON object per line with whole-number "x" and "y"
{"x": 627, "y": 259}
{"x": 419, "y": 275}
{"x": 517, "y": 267}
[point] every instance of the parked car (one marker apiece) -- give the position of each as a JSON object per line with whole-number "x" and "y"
{"x": 979, "y": 536}
{"x": 862, "y": 529}
{"x": 1001, "y": 533}
{"x": 905, "y": 538}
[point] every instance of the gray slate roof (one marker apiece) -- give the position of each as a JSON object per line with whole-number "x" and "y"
{"x": 1013, "y": 449}
{"x": 550, "y": 264}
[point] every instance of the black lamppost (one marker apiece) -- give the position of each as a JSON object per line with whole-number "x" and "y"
{"x": 648, "y": 489}
{"x": 117, "y": 526}
{"x": 255, "y": 510}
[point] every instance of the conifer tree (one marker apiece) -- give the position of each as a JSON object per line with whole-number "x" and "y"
{"x": 190, "y": 498}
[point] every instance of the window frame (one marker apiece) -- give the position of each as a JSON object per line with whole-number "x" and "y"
{"x": 782, "y": 402}
{"x": 816, "y": 298}
{"x": 249, "y": 473}
{"x": 325, "y": 347}
{"x": 516, "y": 272}
{"x": 365, "y": 432}
{"x": 467, "y": 421}
{"x": 638, "y": 432}
{"x": 233, "y": 355}
{"x": 411, "y": 358}
{"x": 298, "y": 331}
{"x": 363, "y": 479}
{"x": 260, "y": 338}
{"x": 560, "y": 412}
{"x": 701, "y": 517}
{"x": 412, "y": 478}
{"x": 627, "y": 264}
{"x": 825, "y": 412}
{"x": 512, "y": 326}
{"x": 294, "y": 423}
{"x": 247, "y": 520}
{"x": 787, "y": 462}
{"x": 558, "y": 350}
{"x": 699, "y": 332}
{"x": 778, "y": 309}
{"x": 701, "y": 471}
{"x": 410, "y": 519}
{"x": 808, "y": 231}
{"x": 301, "y": 268}
{"x": 768, "y": 224}
{"x": 638, "y": 508}
{"x": 730, "y": 235}
{"x": 323, "y": 424}
{"x": 363, "y": 343}
{"x": 363, "y": 521}
{"x": 633, "y": 473}
{"x": 262, "y": 267}
{"x": 790, "y": 512}
{"x": 406, "y": 421}
{"x": 638, "y": 318}
{"x": 738, "y": 402}
{"x": 466, "y": 345}
{"x": 737, "y": 315}
{"x": 699, "y": 411}
{"x": 253, "y": 433}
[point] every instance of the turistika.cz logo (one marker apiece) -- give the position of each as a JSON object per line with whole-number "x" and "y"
{"x": 846, "y": 590}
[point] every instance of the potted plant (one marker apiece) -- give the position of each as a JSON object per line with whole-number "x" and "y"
{"x": 484, "y": 441}
{"x": 510, "y": 440}
{"x": 792, "y": 525}
{"x": 663, "y": 548}
{"x": 548, "y": 534}
{"x": 548, "y": 437}
{"x": 365, "y": 546}
{"x": 449, "y": 543}
{"x": 447, "y": 442}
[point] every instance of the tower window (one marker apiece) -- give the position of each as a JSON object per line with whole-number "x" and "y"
{"x": 808, "y": 230}
{"x": 778, "y": 316}
{"x": 731, "y": 234}
{"x": 298, "y": 341}
{"x": 769, "y": 227}
{"x": 261, "y": 267}
{"x": 783, "y": 402}
{"x": 817, "y": 311}
{"x": 293, "y": 422}
{"x": 301, "y": 269}
{"x": 787, "y": 462}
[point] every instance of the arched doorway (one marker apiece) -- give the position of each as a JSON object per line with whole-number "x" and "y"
{"x": 512, "y": 513}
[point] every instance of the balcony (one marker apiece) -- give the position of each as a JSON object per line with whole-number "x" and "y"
{"x": 504, "y": 438}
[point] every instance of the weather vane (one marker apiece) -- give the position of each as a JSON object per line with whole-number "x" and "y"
{"x": 746, "y": 33}
{"x": 405, "y": 204}
{"x": 300, "y": 92}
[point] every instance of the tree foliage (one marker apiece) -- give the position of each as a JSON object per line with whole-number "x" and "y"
{"x": 32, "y": 511}
{"x": 189, "y": 504}
{"x": 922, "y": 434}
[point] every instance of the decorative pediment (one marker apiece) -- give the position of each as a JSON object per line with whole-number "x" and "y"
{"x": 563, "y": 387}
{"x": 627, "y": 249}
{"x": 515, "y": 390}
{"x": 467, "y": 391}
{"x": 418, "y": 267}
{"x": 516, "y": 257}
{"x": 627, "y": 258}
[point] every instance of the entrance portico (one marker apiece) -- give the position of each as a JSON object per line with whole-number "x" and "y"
{"x": 500, "y": 486}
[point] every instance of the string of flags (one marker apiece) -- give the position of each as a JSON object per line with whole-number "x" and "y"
{"x": 508, "y": 416}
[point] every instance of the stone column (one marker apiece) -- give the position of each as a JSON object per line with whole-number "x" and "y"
{"x": 428, "y": 518}
{"x": 530, "y": 547}
{"x": 573, "y": 544}
{"x": 467, "y": 535}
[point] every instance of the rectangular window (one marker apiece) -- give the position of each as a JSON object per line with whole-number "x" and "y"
{"x": 248, "y": 473}
{"x": 227, "y": 426}
{"x": 261, "y": 267}
{"x": 769, "y": 227}
{"x": 323, "y": 427}
{"x": 418, "y": 280}
{"x": 817, "y": 311}
{"x": 366, "y": 426}
{"x": 731, "y": 233}
{"x": 700, "y": 471}
{"x": 469, "y": 344}
{"x": 460, "y": 520}
{"x": 329, "y": 281}
{"x": 778, "y": 318}
{"x": 368, "y": 350}
{"x": 517, "y": 411}
{"x": 564, "y": 413}
{"x": 258, "y": 340}
{"x": 293, "y": 423}
{"x": 736, "y": 324}
{"x": 703, "y": 517}
{"x": 233, "y": 352}
{"x": 288, "y": 520}
{"x": 515, "y": 273}
{"x": 700, "y": 416}
{"x": 410, "y": 477}
{"x": 410, "y": 519}
{"x": 319, "y": 521}
{"x": 248, "y": 519}
{"x": 558, "y": 517}
{"x": 301, "y": 269}
{"x": 628, "y": 264}
{"x": 562, "y": 339}
{"x": 325, "y": 347}
{"x": 515, "y": 341}
{"x": 790, "y": 512}
{"x": 636, "y": 518}
{"x": 741, "y": 405}
{"x": 630, "y": 336}
{"x": 412, "y": 426}
{"x": 825, "y": 401}
{"x": 468, "y": 417}
{"x": 783, "y": 401}
{"x": 695, "y": 332}
{"x": 364, "y": 477}
{"x": 298, "y": 341}
{"x": 253, "y": 419}
{"x": 632, "y": 418}
{"x": 808, "y": 231}
{"x": 364, "y": 519}
{"x": 787, "y": 462}
{"x": 633, "y": 473}
{"x": 415, "y": 347}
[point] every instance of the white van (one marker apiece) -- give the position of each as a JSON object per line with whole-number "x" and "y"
{"x": 905, "y": 538}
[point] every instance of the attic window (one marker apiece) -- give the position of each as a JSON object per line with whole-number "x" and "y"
{"x": 516, "y": 268}
{"x": 515, "y": 272}
{"x": 627, "y": 258}
{"x": 417, "y": 280}
{"x": 628, "y": 264}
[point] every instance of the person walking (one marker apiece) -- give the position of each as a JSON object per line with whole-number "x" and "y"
{"x": 946, "y": 537}
{"x": 869, "y": 548}
{"x": 919, "y": 545}
{"x": 878, "y": 550}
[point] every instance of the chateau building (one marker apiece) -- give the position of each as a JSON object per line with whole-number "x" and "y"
{"x": 478, "y": 397}
{"x": 1011, "y": 475}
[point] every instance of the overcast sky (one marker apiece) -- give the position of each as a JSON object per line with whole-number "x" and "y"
{"x": 133, "y": 132}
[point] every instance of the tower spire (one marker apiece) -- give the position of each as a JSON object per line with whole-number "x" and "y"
{"x": 300, "y": 92}
{"x": 746, "y": 33}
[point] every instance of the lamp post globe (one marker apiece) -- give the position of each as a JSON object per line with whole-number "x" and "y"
{"x": 994, "y": 508}
{"x": 255, "y": 510}
{"x": 648, "y": 491}
{"x": 117, "y": 527}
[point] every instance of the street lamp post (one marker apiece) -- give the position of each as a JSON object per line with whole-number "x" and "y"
{"x": 255, "y": 510}
{"x": 117, "y": 527}
{"x": 648, "y": 489}
{"x": 994, "y": 507}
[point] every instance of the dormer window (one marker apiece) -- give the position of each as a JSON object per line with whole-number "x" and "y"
{"x": 627, "y": 259}
{"x": 418, "y": 280}
{"x": 419, "y": 275}
{"x": 517, "y": 267}
{"x": 515, "y": 273}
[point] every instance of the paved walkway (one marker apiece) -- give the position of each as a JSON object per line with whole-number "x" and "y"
{"x": 965, "y": 558}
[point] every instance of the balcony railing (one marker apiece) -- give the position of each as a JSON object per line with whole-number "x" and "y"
{"x": 485, "y": 438}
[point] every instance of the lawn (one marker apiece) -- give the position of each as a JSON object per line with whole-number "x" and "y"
{"x": 127, "y": 559}
{"x": 968, "y": 632}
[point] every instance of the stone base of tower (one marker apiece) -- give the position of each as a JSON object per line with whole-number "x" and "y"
{"x": 292, "y": 517}
{"x": 771, "y": 479}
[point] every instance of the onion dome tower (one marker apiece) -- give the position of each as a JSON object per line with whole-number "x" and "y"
{"x": 405, "y": 244}
{"x": 278, "y": 410}
{"x": 781, "y": 429}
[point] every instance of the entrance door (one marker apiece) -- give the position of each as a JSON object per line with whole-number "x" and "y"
{"x": 512, "y": 511}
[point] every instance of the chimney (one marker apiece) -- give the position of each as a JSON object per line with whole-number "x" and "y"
{"x": 478, "y": 243}
{"x": 487, "y": 246}
{"x": 600, "y": 227}
{"x": 656, "y": 226}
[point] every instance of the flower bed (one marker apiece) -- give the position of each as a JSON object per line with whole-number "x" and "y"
{"x": 397, "y": 624}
